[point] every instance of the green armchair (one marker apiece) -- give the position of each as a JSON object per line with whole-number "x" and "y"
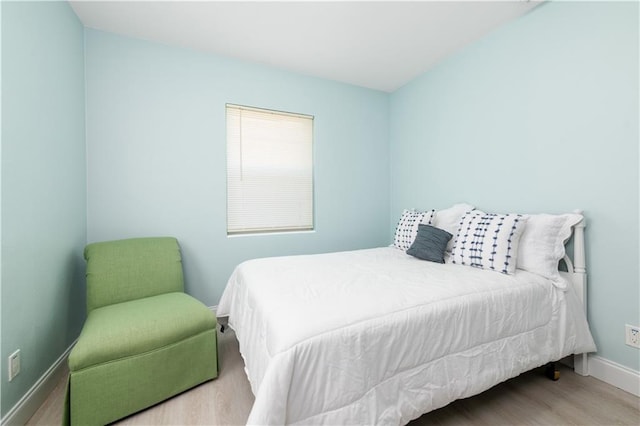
{"x": 144, "y": 339}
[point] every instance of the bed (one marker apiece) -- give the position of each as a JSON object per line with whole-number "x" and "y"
{"x": 378, "y": 336}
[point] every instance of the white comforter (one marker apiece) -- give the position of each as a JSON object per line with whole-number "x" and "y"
{"x": 379, "y": 337}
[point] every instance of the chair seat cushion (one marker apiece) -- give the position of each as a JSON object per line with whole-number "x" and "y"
{"x": 131, "y": 328}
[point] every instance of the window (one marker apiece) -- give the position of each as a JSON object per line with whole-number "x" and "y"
{"x": 269, "y": 171}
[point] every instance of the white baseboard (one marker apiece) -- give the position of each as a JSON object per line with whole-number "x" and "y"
{"x": 615, "y": 374}
{"x": 27, "y": 406}
{"x": 213, "y": 308}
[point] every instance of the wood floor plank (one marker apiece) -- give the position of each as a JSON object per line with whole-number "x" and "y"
{"x": 530, "y": 399}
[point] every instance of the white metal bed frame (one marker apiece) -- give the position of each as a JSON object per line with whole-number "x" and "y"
{"x": 577, "y": 273}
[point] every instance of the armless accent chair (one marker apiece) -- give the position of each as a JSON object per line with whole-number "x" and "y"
{"x": 144, "y": 339}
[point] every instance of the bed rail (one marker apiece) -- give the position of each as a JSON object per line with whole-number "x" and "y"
{"x": 578, "y": 272}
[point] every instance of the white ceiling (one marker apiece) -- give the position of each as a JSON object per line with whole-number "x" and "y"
{"x": 379, "y": 45}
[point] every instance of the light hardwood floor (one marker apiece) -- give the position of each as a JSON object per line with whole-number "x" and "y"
{"x": 530, "y": 399}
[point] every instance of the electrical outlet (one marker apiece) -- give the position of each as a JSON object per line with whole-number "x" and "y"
{"x": 632, "y": 335}
{"x": 14, "y": 364}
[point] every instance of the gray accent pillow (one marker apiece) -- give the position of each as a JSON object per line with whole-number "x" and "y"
{"x": 430, "y": 243}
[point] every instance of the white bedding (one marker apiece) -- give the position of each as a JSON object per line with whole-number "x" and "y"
{"x": 379, "y": 337}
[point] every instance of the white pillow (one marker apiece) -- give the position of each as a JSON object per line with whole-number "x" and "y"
{"x": 449, "y": 220}
{"x": 489, "y": 241}
{"x": 407, "y": 227}
{"x": 542, "y": 243}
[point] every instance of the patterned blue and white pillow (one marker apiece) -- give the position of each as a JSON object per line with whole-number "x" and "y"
{"x": 407, "y": 227}
{"x": 489, "y": 241}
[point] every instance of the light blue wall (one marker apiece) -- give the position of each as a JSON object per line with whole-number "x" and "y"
{"x": 156, "y": 146}
{"x": 43, "y": 188}
{"x": 539, "y": 116}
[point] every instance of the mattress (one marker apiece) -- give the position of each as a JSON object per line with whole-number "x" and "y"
{"x": 379, "y": 337}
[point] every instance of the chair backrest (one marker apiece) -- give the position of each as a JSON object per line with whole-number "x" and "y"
{"x": 123, "y": 270}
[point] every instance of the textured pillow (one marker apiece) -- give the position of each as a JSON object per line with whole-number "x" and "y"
{"x": 449, "y": 219}
{"x": 407, "y": 228}
{"x": 430, "y": 243}
{"x": 489, "y": 241}
{"x": 542, "y": 243}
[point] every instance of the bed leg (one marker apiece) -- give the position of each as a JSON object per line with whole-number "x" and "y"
{"x": 221, "y": 328}
{"x": 551, "y": 371}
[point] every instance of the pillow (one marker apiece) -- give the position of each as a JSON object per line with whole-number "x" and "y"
{"x": 430, "y": 243}
{"x": 449, "y": 219}
{"x": 489, "y": 241}
{"x": 542, "y": 243}
{"x": 407, "y": 228}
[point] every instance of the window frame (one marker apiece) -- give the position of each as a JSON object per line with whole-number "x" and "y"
{"x": 276, "y": 229}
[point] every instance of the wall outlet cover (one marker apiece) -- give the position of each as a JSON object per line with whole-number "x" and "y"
{"x": 632, "y": 335}
{"x": 14, "y": 364}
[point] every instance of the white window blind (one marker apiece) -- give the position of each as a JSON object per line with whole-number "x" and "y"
{"x": 269, "y": 171}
